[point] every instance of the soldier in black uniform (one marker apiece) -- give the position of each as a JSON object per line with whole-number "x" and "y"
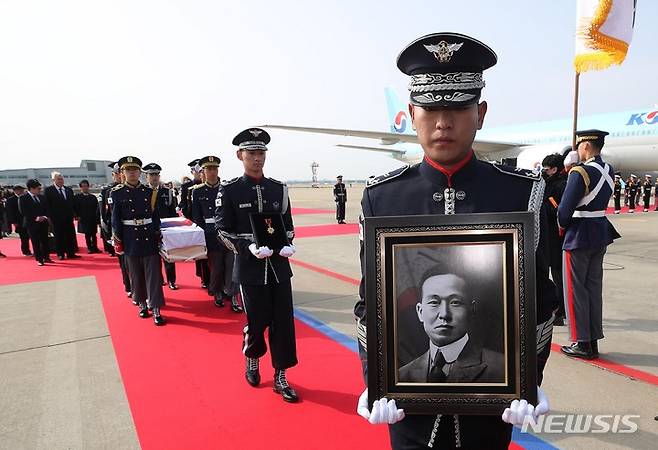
{"x": 340, "y": 197}
{"x": 136, "y": 234}
{"x": 632, "y": 193}
{"x": 165, "y": 207}
{"x": 200, "y": 265}
{"x": 616, "y": 193}
{"x": 106, "y": 226}
{"x": 264, "y": 276}
{"x": 446, "y": 80}
{"x": 14, "y": 217}
{"x": 646, "y": 191}
{"x": 220, "y": 259}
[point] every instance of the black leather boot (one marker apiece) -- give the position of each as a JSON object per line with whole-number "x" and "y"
{"x": 282, "y": 387}
{"x": 252, "y": 374}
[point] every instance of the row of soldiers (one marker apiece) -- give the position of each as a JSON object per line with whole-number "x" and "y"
{"x": 634, "y": 190}
{"x": 237, "y": 269}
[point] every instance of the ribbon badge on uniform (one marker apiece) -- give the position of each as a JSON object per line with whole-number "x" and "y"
{"x": 270, "y": 228}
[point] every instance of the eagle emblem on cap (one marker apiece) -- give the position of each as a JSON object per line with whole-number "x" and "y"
{"x": 130, "y": 159}
{"x": 255, "y": 133}
{"x": 443, "y": 51}
{"x": 210, "y": 158}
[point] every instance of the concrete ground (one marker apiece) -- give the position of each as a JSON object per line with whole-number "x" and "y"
{"x": 60, "y": 386}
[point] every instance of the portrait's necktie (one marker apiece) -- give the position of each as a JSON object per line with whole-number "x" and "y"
{"x": 436, "y": 374}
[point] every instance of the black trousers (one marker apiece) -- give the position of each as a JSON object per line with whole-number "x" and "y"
{"x": 170, "y": 271}
{"x": 65, "y": 242}
{"x": 221, "y": 274}
{"x": 125, "y": 274}
{"x": 105, "y": 237}
{"x": 39, "y": 237}
{"x": 202, "y": 270}
{"x": 475, "y": 432}
{"x": 25, "y": 238}
{"x": 617, "y": 202}
{"x": 270, "y": 306}
{"x": 647, "y": 199}
{"x": 340, "y": 211}
{"x": 146, "y": 279}
{"x": 92, "y": 241}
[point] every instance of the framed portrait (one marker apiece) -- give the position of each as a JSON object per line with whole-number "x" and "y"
{"x": 451, "y": 311}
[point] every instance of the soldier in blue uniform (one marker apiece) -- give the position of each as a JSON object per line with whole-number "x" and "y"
{"x": 646, "y": 191}
{"x": 340, "y": 197}
{"x": 264, "y": 276}
{"x": 136, "y": 234}
{"x": 165, "y": 206}
{"x": 446, "y": 82}
{"x": 220, "y": 259}
{"x": 106, "y": 226}
{"x": 588, "y": 234}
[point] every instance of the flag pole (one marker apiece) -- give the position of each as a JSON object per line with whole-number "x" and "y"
{"x": 575, "y": 111}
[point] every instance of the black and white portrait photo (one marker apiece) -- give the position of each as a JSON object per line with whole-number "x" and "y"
{"x": 450, "y": 312}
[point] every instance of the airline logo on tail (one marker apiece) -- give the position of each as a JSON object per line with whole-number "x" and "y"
{"x": 400, "y": 123}
{"x": 642, "y": 118}
{"x": 398, "y": 116}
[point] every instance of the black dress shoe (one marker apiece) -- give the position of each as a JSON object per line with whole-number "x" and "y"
{"x": 172, "y": 286}
{"x": 204, "y": 285}
{"x": 219, "y": 302}
{"x": 73, "y": 256}
{"x": 158, "y": 320}
{"x": 282, "y": 387}
{"x": 144, "y": 313}
{"x": 595, "y": 348}
{"x": 129, "y": 294}
{"x": 579, "y": 350}
{"x": 235, "y": 306}
{"x": 28, "y": 254}
{"x": 48, "y": 260}
{"x": 61, "y": 257}
{"x": 40, "y": 263}
{"x": 252, "y": 373}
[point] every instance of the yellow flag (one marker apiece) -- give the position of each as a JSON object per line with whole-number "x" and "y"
{"x": 604, "y": 29}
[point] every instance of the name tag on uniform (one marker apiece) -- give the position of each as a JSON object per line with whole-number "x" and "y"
{"x": 109, "y": 200}
{"x": 218, "y": 202}
{"x": 245, "y": 205}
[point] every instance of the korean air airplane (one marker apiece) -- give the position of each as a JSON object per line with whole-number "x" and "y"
{"x": 631, "y": 147}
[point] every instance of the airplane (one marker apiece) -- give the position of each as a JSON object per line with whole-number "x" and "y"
{"x": 631, "y": 147}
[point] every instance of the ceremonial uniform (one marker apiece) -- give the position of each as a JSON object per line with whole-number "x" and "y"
{"x": 265, "y": 283}
{"x": 616, "y": 194}
{"x": 106, "y": 213}
{"x": 446, "y": 72}
{"x": 201, "y": 265}
{"x": 165, "y": 206}
{"x": 340, "y": 197}
{"x": 632, "y": 193}
{"x": 136, "y": 230}
{"x": 220, "y": 259}
{"x": 588, "y": 233}
{"x": 646, "y": 192}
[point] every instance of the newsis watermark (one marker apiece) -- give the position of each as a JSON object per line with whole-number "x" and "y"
{"x": 582, "y": 423}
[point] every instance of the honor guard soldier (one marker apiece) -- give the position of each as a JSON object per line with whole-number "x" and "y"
{"x": 136, "y": 234}
{"x": 106, "y": 224}
{"x": 200, "y": 265}
{"x": 264, "y": 275}
{"x": 646, "y": 191}
{"x": 165, "y": 206}
{"x": 588, "y": 234}
{"x": 616, "y": 194}
{"x": 340, "y": 197}
{"x": 632, "y": 193}
{"x": 220, "y": 259}
{"x": 446, "y": 82}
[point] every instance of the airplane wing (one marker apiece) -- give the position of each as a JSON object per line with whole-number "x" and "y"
{"x": 485, "y": 149}
{"x": 393, "y": 151}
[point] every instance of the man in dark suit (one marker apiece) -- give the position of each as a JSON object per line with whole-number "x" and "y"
{"x": 446, "y": 310}
{"x": 60, "y": 201}
{"x": 85, "y": 206}
{"x": 34, "y": 208}
{"x": 15, "y": 218}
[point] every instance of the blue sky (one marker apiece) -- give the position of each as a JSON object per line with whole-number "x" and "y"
{"x": 172, "y": 80}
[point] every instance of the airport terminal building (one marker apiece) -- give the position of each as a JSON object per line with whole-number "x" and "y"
{"x": 95, "y": 171}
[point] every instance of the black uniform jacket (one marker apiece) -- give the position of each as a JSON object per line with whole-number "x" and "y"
{"x": 235, "y": 200}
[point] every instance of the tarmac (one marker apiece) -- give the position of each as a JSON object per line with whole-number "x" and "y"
{"x": 60, "y": 385}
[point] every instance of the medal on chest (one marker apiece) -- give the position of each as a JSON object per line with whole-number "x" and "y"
{"x": 270, "y": 228}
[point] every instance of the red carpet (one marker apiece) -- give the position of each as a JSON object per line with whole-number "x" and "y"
{"x": 302, "y": 211}
{"x": 185, "y": 381}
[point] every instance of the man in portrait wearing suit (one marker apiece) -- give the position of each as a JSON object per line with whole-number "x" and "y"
{"x": 60, "y": 201}
{"x": 446, "y": 310}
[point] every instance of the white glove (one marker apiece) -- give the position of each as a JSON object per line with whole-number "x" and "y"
{"x": 260, "y": 252}
{"x": 519, "y": 410}
{"x": 287, "y": 251}
{"x": 383, "y": 411}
